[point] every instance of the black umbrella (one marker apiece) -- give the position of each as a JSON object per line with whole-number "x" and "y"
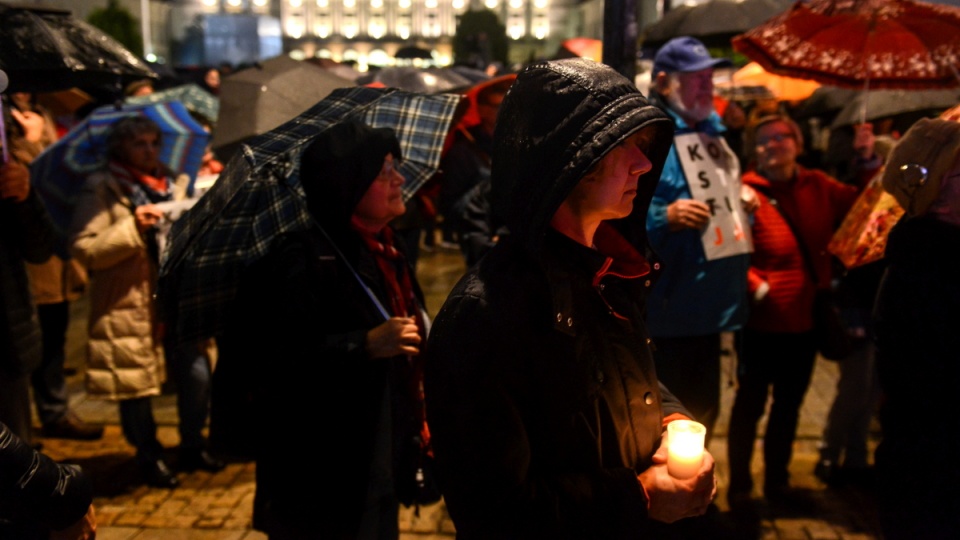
{"x": 887, "y": 103}
{"x": 44, "y": 50}
{"x": 413, "y": 79}
{"x": 713, "y": 22}
{"x": 412, "y": 52}
{"x": 825, "y": 102}
{"x": 257, "y": 99}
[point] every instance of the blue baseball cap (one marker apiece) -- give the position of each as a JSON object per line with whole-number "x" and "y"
{"x": 685, "y": 55}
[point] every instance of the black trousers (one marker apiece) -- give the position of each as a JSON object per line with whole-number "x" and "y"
{"x": 781, "y": 363}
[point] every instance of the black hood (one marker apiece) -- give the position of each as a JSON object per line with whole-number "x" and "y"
{"x": 557, "y": 121}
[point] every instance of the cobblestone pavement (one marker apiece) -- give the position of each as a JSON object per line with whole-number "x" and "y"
{"x": 219, "y": 506}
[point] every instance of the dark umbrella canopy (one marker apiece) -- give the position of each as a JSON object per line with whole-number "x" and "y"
{"x": 876, "y": 104}
{"x": 44, "y": 50}
{"x": 412, "y": 52}
{"x": 257, "y": 99}
{"x": 825, "y": 101}
{"x": 413, "y": 79}
{"x": 258, "y": 197}
{"x": 713, "y": 22}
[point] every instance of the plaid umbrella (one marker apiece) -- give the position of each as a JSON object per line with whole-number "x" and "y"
{"x": 194, "y": 98}
{"x": 58, "y": 173}
{"x": 258, "y": 197}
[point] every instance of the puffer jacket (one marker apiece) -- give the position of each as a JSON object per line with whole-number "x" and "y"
{"x": 816, "y": 204}
{"x": 542, "y": 398}
{"x": 125, "y": 359}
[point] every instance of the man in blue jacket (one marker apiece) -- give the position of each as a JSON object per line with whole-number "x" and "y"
{"x": 697, "y": 224}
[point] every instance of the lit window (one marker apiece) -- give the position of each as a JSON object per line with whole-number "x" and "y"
{"x": 376, "y": 4}
{"x": 322, "y": 29}
{"x": 323, "y": 3}
{"x": 404, "y": 4}
{"x": 430, "y": 4}
{"x": 349, "y": 3}
{"x": 294, "y": 28}
{"x": 293, "y": 3}
{"x": 516, "y": 4}
{"x": 259, "y": 3}
{"x": 349, "y": 28}
{"x": 377, "y": 28}
{"x": 540, "y": 4}
{"x": 541, "y": 30}
{"x": 210, "y": 3}
{"x": 491, "y": 4}
{"x": 516, "y": 30}
{"x": 458, "y": 4}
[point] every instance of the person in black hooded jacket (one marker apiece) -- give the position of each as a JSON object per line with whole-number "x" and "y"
{"x": 545, "y": 411}
{"x": 330, "y": 364}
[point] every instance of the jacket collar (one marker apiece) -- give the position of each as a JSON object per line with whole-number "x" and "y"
{"x": 568, "y": 262}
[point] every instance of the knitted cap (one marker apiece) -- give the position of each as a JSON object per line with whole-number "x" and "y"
{"x": 931, "y": 143}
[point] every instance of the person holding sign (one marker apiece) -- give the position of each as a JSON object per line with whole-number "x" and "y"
{"x": 800, "y": 208}
{"x": 542, "y": 397}
{"x": 698, "y": 225}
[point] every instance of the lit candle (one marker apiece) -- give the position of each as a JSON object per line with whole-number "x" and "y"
{"x": 685, "y": 451}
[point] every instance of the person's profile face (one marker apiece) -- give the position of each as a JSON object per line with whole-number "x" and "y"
{"x": 776, "y": 145}
{"x": 142, "y": 152}
{"x": 383, "y": 200}
{"x": 608, "y": 190}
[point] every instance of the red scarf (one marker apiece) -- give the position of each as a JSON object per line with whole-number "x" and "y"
{"x": 403, "y": 303}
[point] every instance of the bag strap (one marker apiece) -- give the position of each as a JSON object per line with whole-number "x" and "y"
{"x": 807, "y": 260}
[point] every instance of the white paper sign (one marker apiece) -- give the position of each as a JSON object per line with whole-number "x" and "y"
{"x": 713, "y": 176}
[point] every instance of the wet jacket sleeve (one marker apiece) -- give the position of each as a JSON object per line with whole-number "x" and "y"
{"x": 34, "y": 488}
{"x": 35, "y": 235}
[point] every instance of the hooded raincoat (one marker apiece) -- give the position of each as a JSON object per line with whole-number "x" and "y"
{"x": 542, "y": 397}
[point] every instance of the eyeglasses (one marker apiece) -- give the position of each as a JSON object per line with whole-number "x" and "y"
{"x": 776, "y": 137}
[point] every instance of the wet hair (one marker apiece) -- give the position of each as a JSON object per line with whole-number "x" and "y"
{"x": 126, "y": 129}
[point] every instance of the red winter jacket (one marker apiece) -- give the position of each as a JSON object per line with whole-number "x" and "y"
{"x": 815, "y": 204}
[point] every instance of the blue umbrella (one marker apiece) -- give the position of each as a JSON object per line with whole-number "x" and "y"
{"x": 59, "y": 172}
{"x": 258, "y": 197}
{"x": 194, "y": 98}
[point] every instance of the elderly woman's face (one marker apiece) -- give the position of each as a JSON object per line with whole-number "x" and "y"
{"x": 142, "y": 152}
{"x": 383, "y": 200}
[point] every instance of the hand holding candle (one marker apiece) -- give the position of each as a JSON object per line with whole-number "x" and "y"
{"x": 685, "y": 451}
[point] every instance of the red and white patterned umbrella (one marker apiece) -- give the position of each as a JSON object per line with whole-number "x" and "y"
{"x": 890, "y": 44}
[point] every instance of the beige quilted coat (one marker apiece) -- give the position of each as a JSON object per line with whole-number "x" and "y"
{"x": 124, "y": 359}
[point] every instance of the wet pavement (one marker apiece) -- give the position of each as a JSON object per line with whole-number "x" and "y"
{"x": 219, "y": 506}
